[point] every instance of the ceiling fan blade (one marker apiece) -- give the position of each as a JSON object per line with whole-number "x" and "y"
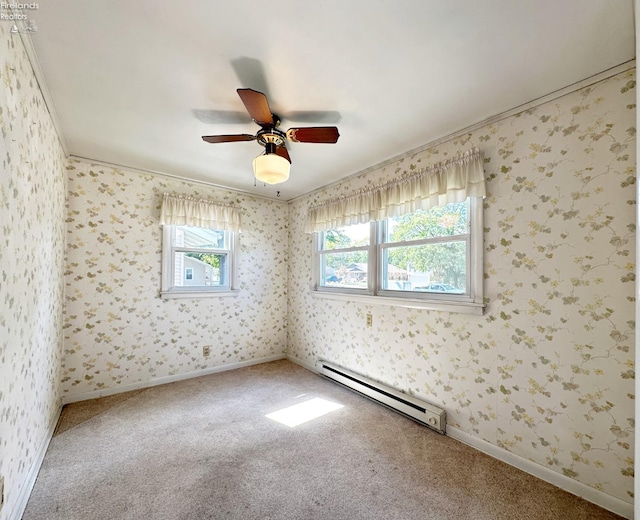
{"x": 228, "y": 138}
{"x": 257, "y": 105}
{"x": 282, "y": 152}
{"x": 314, "y": 134}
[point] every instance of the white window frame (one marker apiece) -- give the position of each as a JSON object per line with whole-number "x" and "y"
{"x": 472, "y": 302}
{"x": 170, "y": 291}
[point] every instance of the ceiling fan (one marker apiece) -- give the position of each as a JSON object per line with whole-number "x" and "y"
{"x": 273, "y": 166}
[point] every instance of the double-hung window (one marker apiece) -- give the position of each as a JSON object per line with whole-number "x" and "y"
{"x": 197, "y": 261}
{"x": 344, "y": 255}
{"x": 427, "y": 252}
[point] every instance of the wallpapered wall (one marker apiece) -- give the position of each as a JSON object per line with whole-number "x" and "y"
{"x": 117, "y": 330}
{"x": 547, "y": 373}
{"x": 32, "y": 191}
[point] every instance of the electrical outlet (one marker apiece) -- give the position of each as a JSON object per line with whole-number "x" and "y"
{"x": 206, "y": 351}
{"x": 1, "y": 492}
{"x": 369, "y": 320}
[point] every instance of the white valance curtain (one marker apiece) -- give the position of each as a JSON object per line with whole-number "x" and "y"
{"x": 452, "y": 180}
{"x": 189, "y": 211}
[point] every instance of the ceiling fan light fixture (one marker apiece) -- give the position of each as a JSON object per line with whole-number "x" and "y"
{"x": 274, "y": 165}
{"x": 270, "y": 168}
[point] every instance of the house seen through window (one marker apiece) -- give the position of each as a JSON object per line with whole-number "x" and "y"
{"x": 197, "y": 259}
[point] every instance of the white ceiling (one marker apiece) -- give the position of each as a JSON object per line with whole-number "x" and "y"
{"x": 138, "y": 82}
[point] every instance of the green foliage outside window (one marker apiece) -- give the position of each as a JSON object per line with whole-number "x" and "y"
{"x": 208, "y": 258}
{"x": 445, "y": 261}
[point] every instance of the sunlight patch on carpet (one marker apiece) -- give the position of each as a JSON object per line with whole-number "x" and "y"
{"x": 303, "y": 412}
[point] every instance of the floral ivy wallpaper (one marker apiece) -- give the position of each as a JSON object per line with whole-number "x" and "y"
{"x": 117, "y": 330}
{"x": 547, "y": 372}
{"x": 32, "y": 192}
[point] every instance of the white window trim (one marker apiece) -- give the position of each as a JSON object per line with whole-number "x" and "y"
{"x": 168, "y": 293}
{"x": 410, "y": 303}
{"x": 473, "y": 303}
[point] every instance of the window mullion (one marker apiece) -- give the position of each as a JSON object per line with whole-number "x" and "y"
{"x": 372, "y": 267}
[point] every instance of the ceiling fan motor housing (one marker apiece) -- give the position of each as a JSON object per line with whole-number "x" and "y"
{"x": 271, "y": 135}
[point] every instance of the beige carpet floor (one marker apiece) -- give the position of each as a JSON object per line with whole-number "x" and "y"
{"x": 204, "y": 449}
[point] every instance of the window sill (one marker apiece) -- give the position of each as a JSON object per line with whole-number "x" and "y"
{"x": 173, "y": 295}
{"x": 431, "y": 305}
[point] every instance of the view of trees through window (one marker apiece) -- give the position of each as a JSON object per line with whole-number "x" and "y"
{"x": 421, "y": 251}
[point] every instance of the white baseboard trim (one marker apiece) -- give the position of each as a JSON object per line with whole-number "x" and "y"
{"x": 168, "y": 379}
{"x": 303, "y": 364}
{"x": 30, "y": 480}
{"x": 613, "y": 504}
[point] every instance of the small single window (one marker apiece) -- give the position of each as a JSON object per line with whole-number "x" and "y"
{"x": 197, "y": 261}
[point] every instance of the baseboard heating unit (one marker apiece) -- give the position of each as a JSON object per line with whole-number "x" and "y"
{"x": 424, "y": 413}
